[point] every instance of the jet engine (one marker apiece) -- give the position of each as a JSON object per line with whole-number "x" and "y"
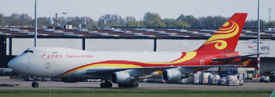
{"x": 173, "y": 75}
{"x": 121, "y": 77}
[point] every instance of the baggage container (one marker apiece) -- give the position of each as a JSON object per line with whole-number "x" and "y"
{"x": 215, "y": 79}
{"x": 191, "y": 79}
{"x": 240, "y": 78}
{"x": 204, "y": 78}
{"x": 264, "y": 79}
{"x": 232, "y": 80}
{"x": 222, "y": 81}
{"x": 244, "y": 75}
{"x": 210, "y": 79}
{"x": 197, "y": 77}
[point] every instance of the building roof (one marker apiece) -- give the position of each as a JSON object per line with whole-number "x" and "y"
{"x": 125, "y": 33}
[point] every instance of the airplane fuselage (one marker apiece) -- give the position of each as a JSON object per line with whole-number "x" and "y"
{"x": 65, "y": 63}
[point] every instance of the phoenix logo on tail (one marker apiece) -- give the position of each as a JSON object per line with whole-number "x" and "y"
{"x": 226, "y": 38}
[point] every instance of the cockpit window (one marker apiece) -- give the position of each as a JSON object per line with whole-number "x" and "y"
{"x": 28, "y": 51}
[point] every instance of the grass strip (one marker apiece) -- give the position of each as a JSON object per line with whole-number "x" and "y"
{"x": 140, "y": 91}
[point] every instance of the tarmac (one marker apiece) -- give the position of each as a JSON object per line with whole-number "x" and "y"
{"x": 250, "y": 85}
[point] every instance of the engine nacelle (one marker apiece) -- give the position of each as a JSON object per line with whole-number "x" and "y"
{"x": 121, "y": 77}
{"x": 172, "y": 75}
{"x": 70, "y": 80}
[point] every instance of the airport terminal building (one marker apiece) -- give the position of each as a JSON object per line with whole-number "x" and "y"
{"x": 14, "y": 40}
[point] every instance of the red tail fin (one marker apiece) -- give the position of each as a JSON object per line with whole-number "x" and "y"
{"x": 226, "y": 38}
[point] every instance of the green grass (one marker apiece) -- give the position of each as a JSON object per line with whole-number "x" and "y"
{"x": 135, "y": 93}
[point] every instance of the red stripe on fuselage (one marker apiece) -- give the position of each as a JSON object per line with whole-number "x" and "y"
{"x": 123, "y": 62}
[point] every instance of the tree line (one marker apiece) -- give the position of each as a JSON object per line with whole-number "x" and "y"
{"x": 150, "y": 19}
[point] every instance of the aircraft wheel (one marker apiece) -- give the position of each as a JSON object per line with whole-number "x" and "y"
{"x": 132, "y": 85}
{"x": 122, "y": 85}
{"x": 106, "y": 85}
{"x": 136, "y": 84}
{"x": 109, "y": 85}
{"x": 35, "y": 84}
{"x": 129, "y": 85}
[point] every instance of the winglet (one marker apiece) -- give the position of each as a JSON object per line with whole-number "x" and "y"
{"x": 245, "y": 63}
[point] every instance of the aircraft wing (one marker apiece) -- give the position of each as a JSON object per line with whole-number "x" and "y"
{"x": 230, "y": 58}
{"x": 145, "y": 70}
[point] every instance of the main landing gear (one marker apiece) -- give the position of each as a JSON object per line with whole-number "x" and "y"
{"x": 129, "y": 85}
{"x": 106, "y": 84}
{"x": 35, "y": 84}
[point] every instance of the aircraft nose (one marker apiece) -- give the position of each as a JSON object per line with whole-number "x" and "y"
{"x": 18, "y": 62}
{"x": 11, "y": 63}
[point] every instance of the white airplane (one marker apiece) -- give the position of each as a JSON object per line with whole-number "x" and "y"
{"x": 125, "y": 68}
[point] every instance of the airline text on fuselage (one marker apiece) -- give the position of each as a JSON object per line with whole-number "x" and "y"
{"x": 79, "y": 56}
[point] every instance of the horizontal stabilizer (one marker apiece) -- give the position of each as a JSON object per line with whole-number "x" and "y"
{"x": 231, "y": 58}
{"x": 245, "y": 63}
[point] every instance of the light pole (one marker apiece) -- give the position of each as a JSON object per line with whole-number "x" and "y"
{"x": 35, "y": 25}
{"x": 258, "y": 43}
{"x": 200, "y": 19}
{"x": 65, "y": 13}
{"x": 182, "y": 20}
{"x": 269, "y": 14}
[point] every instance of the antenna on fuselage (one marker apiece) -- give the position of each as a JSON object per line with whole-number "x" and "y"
{"x": 35, "y": 25}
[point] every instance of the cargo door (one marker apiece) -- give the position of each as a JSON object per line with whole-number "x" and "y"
{"x": 47, "y": 63}
{"x": 201, "y": 62}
